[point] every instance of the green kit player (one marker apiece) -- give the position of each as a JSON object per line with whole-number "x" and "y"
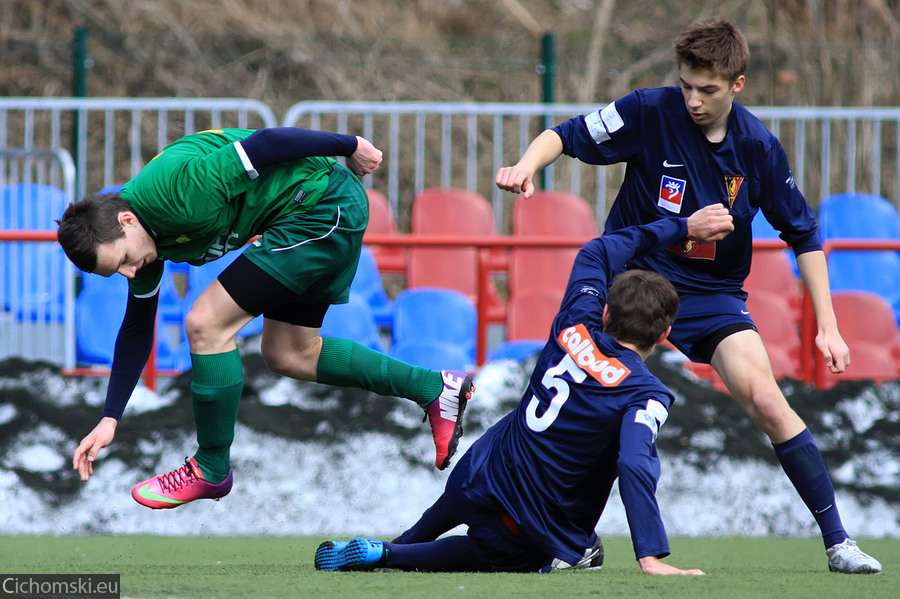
{"x": 210, "y": 193}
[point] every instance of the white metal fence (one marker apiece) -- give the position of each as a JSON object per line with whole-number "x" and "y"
{"x": 426, "y": 145}
{"x": 831, "y": 150}
{"x": 37, "y": 293}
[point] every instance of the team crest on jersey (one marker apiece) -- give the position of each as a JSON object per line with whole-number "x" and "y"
{"x": 671, "y": 193}
{"x": 732, "y": 186}
{"x": 577, "y": 342}
{"x": 694, "y": 249}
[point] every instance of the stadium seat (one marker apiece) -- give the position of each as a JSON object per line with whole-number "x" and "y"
{"x": 381, "y": 217}
{"x": 368, "y": 285}
{"x": 438, "y": 315}
{"x": 763, "y": 229}
{"x": 433, "y": 354}
{"x": 450, "y": 212}
{"x": 382, "y": 222}
{"x": 778, "y": 327}
{"x": 862, "y": 216}
{"x": 98, "y": 314}
{"x": 112, "y": 189}
{"x": 870, "y": 330}
{"x": 874, "y": 271}
{"x": 530, "y": 313}
{"x": 32, "y": 274}
{"x": 354, "y": 321}
{"x": 518, "y": 350}
{"x": 772, "y": 272}
{"x": 549, "y": 214}
{"x": 99, "y": 310}
{"x": 857, "y": 216}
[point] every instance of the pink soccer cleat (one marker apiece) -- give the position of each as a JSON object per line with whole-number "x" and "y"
{"x": 165, "y": 491}
{"x": 445, "y": 414}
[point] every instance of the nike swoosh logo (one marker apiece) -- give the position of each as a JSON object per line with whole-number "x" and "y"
{"x": 146, "y": 493}
{"x": 745, "y": 312}
{"x": 667, "y": 164}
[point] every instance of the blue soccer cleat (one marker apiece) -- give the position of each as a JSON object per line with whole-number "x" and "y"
{"x": 358, "y": 554}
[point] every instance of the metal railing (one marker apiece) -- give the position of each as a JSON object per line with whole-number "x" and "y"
{"x": 37, "y": 290}
{"x": 832, "y": 150}
{"x": 112, "y": 138}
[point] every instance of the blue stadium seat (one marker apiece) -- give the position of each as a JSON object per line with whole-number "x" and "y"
{"x": 518, "y": 350}
{"x": 368, "y": 285}
{"x": 862, "y": 216}
{"x": 353, "y": 320}
{"x": 98, "y": 314}
{"x": 32, "y": 274}
{"x": 99, "y": 310}
{"x": 430, "y": 316}
{"x": 858, "y": 216}
{"x": 433, "y": 354}
{"x": 111, "y": 189}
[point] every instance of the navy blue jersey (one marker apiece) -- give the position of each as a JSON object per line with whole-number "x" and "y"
{"x": 673, "y": 169}
{"x": 550, "y": 464}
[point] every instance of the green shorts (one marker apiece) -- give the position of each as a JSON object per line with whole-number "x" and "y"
{"x": 315, "y": 253}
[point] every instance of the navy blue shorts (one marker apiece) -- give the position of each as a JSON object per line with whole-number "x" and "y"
{"x": 496, "y": 545}
{"x": 701, "y": 317}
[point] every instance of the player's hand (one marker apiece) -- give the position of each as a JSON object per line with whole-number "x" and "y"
{"x": 653, "y": 565}
{"x": 516, "y": 179}
{"x": 366, "y": 159}
{"x": 834, "y": 350}
{"x": 97, "y": 439}
{"x": 710, "y": 223}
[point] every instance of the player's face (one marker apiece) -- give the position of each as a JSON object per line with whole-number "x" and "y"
{"x": 128, "y": 254}
{"x": 708, "y": 97}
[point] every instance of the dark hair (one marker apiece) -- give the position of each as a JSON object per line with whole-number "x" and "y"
{"x": 88, "y": 223}
{"x": 641, "y": 305}
{"x": 713, "y": 44}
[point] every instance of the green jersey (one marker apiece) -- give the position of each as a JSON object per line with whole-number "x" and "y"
{"x": 200, "y": 199}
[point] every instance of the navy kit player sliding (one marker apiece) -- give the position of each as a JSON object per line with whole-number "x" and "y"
{"x": 687, "y": 148}
{"x": 533, "y": 487}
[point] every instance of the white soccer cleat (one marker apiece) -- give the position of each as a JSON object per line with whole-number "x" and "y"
{"x": 847, "y": 558}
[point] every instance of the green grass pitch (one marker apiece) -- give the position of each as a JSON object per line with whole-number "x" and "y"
{"x": 273, "y": 567}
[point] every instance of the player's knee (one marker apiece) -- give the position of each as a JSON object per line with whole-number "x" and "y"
{"x": 199, "y": 330}
{"x": 295, "y": 364}
{"x": 772, "y": 413}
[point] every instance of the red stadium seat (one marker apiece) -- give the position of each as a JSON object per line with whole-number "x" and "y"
{"x": 771, "y": 271}
{"x": 450, "y": 212}
{"x": 778, "y": 328}
{"x": 530, "y": 313}
{"x": 869, "y": 328}
{"x": 551, "y": 214}
{"x": 381, "y": 222}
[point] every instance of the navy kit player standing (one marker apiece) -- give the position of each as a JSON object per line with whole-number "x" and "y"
{"x": 533, "y": 487}
{"x": 687, "y": 148}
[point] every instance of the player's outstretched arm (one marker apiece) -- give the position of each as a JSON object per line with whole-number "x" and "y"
{"x": 544, "y": 150}
{"x": 653, "y": 565}
{"x": 97, "y": 439}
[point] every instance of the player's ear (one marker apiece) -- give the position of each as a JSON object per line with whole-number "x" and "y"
{"x": 664, "y": 335}
{"x": 738, "y": 84}
{"x": 127, "y": 218}
{"x": 605, "y": 317}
